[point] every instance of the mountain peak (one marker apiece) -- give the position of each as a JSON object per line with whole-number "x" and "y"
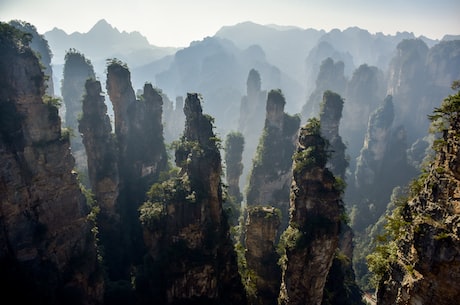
{"x": 102, "y": 26}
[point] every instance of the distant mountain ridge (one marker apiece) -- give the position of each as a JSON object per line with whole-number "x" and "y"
{"x": 103, "y": 41}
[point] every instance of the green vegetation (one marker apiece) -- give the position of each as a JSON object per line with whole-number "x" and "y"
{"x": 12, "y": 36}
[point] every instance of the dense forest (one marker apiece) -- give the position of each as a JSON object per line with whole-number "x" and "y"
{"x": 283, "y": 166}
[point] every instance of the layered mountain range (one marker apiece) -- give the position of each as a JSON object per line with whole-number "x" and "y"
{"x": 121, "y": 195}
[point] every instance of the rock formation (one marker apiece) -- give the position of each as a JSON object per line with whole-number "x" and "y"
{"x": 261, "y": 234}
{"x": 330, "y": 115}
{"x": 330, "y": 77}
{"x": 234, "y": 146}
{"x": 191, "y": 254}
{"x": 141, "y": 158}
{"x": 420, "y": 261}
{"x": 312, "y": 237}
{"x": 364, "y": 93}
{"x": 251, "y": 122}
{"x": 77, "y": 69}
{"x": 271, "y": 173}
{"x": 40, "y": 45}
{"x": 382, "y": 164}
{"x": 340, "y": 287}
{"x": 47, "y": 251}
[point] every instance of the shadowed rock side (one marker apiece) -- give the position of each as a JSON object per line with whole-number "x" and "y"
{"x": 261, "y": 233}
{"x": 382, "y": 164}
{"x": 312, "y": 237}
{"x": 251, "y": 122}
{"x": 47, "y": 250}
{"x": 234, "y": 146}
{"x": 191, "y": 256}
{"x": 77, "y": 69}
{"x": 271, "y": 173}
{"x": 141, "y": 157}
{"x": 340, "y": 287}
{"x": 423, "y": 265}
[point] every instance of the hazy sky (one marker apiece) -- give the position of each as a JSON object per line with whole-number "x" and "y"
{"x": 178, "y": 22}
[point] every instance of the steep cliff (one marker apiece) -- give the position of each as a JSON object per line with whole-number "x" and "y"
{"x": 364, "y": 93}
{"x": 330, "y": 77}
{"x": 312, "y": 237}
{"x": 40, "y": 45}
{"x": 141, "y": 158}
{"x": 271, "y": 173}
{"x": 234, "y": 146}
{"x": 47, "y": 250}
{"x": 251, "y": 122}
{"x": 419, "y": 263}
{"x": 261, "y": 233}
{"x": 77, "y": 69}
{"x": 330, "y": 114}
{"x": 191, "y": 256}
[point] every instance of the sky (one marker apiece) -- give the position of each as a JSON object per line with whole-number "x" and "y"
{"x": 176, "y": 23}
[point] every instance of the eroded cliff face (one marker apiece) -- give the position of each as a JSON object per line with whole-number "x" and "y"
{"x": 251, "y": 122}
{"x": 271, "y": 173}
{"x": 141, "y": 156}
{"x": 330, "y": 115}
{"x": 77, "y": 69}
{"x": 381, "y": 166}
{"x": 47, "y": 250}
{"x": 312, "y": 237}
{"x": 424, "y": 260}
{"x": 262, "y": 227}
{"x": 191, "y": 256}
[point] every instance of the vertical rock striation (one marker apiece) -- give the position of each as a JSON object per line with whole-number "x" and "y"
{"x": 271, "y": 174}
{"x": 234, "y": 146}
{"x": 262, "y": 226}
{"x": 191, "y": 254}
{"x": 46, "y": 246}
{"x": 312, "y": 237}
{"x": 423, "y": 265}
{"x": 251, "y": 121}
{"x": 141, "y": 157}
{"x": 330, "y": 115}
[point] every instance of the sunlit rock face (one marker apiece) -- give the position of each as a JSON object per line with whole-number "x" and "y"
{"x": 47, "y": 250}
{"x": 312, "y": 237}
{"x": 191, "y": 256}
{"x": 427, "y": 264}
{"x": 271, "y": 172}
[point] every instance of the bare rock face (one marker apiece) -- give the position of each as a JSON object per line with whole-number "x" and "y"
{"x": 330, "y": 115}
{"x": 47, "y": 250}
{"x": 234, "y": 146}
{"x": 426, "y": 265}
{"x": 262, "y": 226}
{"x": 312, "y": 237}
{"x": 191, "y": 256}
{"x": 251, "y": 122}
{"x": 77, "y": 69}
{"x": 271, "y": 174}
{"x": 141, "y": 157}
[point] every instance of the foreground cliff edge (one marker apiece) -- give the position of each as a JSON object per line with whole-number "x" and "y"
{"x": 47, "y": 249}
{"x": 418, "y": 258}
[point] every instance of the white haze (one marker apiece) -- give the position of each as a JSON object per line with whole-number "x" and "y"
{"x": 178, "y": 22}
